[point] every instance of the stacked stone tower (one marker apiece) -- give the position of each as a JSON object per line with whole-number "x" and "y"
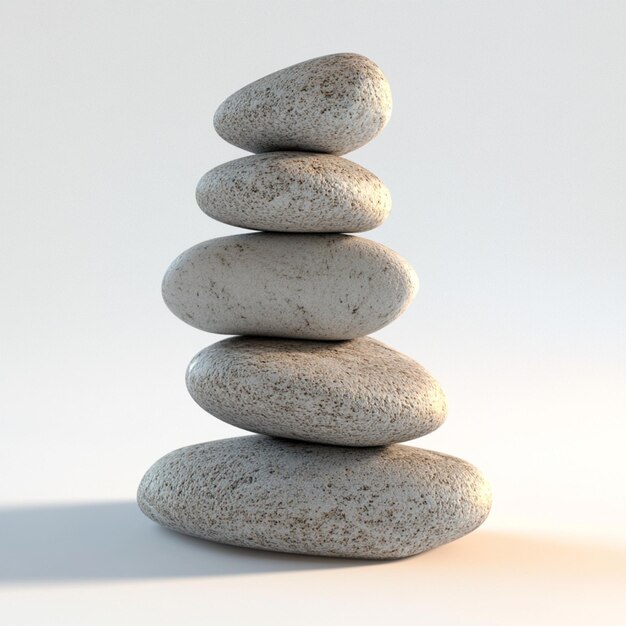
{"x": 325, "y": 475}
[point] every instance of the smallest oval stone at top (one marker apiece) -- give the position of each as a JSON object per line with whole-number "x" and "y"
{"x": 332, "y": 104}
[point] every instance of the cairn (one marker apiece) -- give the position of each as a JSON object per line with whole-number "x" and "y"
{"x": 326, "y": 474}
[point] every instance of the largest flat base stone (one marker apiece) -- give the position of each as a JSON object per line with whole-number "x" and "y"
{"x": 275, "y": 494}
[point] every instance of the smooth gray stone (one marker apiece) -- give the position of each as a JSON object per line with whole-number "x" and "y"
{"x": 294, "y": 192}
{"x": 350, "y": 393}
{"x": 289, "y": 285}
{"x": 335, "y": 104}
{"x": 287, "y": 496}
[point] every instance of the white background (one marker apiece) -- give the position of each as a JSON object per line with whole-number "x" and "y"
{"x": 506, "y": 160}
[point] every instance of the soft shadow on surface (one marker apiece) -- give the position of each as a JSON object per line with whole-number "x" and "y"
{"x": 114, "y": 541}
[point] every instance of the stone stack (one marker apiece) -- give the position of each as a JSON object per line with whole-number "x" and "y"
{"x": 325, "y": 475}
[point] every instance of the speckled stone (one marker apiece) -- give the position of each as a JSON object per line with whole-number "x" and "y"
{"x": 289, "y": 285}
{"x": 287, "y": 496}
{"x": 294, "y": 192}
{"x": 333, "y": 104}
{"x": 350, "y": 393}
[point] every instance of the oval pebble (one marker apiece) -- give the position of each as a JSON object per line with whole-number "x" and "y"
{"x": 289, "y": 285}
{"x": 333, "y": 104}
{"x": 275, "y": 494}
{"x": 351, "y": 393}
{"x": 294, "y": 192}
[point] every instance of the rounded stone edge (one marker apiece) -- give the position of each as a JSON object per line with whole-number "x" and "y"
{"x": 480, "y": 481}
{"x": 370, "y": 220}
{"x": 435, "y": 393}
{"x": 406, "y": 275}
{"x": 222, "y": 111}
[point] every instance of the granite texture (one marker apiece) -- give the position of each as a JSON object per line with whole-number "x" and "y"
{"x": 294, "y": 192}
{"x": 332, "y": 104}
{"x": 289, "y": 285}
{"x": 287, "y": 496}
{"x": 351, "y": 393}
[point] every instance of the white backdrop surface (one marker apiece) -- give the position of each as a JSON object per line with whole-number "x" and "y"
{"x": 505, "y": 157}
